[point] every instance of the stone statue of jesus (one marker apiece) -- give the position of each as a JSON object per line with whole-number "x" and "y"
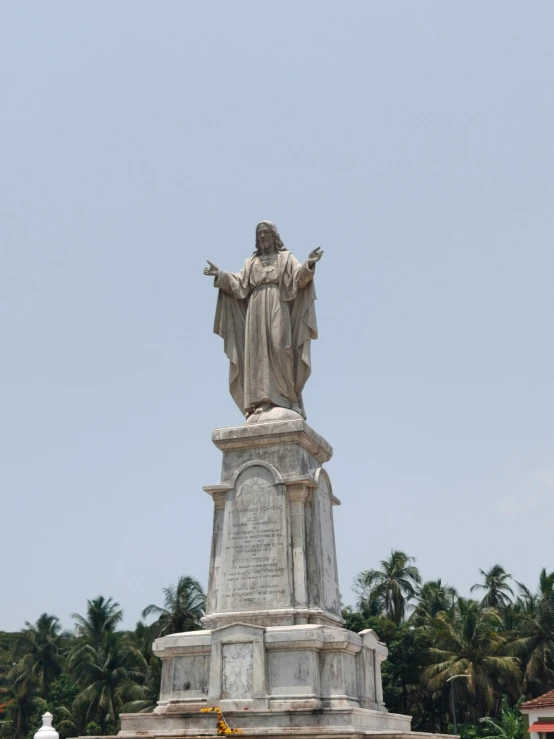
{"x": 266, "y": 317}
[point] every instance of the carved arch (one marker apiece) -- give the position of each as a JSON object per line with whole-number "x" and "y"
{"x": 320, "y": 473}
{"x": 277, "y": 479}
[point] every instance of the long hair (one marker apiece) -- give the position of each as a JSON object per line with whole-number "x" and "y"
{"x": 278, "y": 243}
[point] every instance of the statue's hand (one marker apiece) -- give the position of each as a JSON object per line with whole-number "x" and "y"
{"x": 315, "y": 256}
{"x": 212, "y": 270}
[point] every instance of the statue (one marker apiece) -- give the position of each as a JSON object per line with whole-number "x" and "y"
{"x": 266, "y": 317}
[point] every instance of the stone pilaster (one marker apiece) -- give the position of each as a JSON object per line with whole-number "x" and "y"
{"x": 218, "y": 493}
{"x": 298, "y": 494}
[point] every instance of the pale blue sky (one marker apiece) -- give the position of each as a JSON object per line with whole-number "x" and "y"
{"x": 413, "y": 141}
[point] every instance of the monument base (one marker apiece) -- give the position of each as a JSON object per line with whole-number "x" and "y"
{"x": 244, "y": 666}
{"x": 304, "y": 679}
{"x": 322, "y": 723}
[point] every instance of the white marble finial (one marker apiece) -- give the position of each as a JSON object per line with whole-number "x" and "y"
{"x": 47, "y": 731}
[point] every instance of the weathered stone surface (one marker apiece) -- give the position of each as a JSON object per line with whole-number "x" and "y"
{"x": 255, "y": 574}
{"x": 278, "y": 434}
{"x": 290, "y": 678}
{"x": 273, "y": 550}
{"x": 325, "y": 722}
{"x": 237, "y": 671}
{"x": 322, "y": 724}
{"x": 292, "y": 673}
{"x": 286, "y": 668}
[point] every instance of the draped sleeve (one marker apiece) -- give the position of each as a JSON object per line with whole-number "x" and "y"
{"x": 237, "y": 285}
{"x": 297, "y": 286}
{"x": 230, "y": 319}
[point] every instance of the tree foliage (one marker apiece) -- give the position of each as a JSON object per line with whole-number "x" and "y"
{"x": 182, "y": 610}
{"x": 484, "y": 654}
{"x": 496, "y": 587}
{"x": 88, "y": 677}
{"x": 389, "y": 588}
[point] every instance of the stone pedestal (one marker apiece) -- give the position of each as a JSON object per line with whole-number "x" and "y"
{"x": 274, "y": 655}
{"x": 273, "y": 557}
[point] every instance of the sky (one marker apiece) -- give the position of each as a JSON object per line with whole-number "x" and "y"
{"x": 411, "y": 141}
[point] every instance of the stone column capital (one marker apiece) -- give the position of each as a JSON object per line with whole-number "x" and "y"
{"x": 298, "y": 493}
{"x": 299, "y": 488}
{"x": 218, "y": 493}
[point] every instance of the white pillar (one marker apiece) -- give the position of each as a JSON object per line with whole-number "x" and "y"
{"x": 47, "y": 731}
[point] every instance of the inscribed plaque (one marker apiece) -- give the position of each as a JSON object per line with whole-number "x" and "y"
{"x": 237, "y": 671}
{"x": 255, "y": 571}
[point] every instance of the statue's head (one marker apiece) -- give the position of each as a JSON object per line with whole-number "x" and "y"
{"x": 267, "y": 236}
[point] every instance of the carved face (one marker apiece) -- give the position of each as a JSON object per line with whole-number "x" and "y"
{"x": 266, "y": 238}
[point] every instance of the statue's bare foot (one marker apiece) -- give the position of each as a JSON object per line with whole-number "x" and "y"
{"x": 267, "y": 413}
{"x": 255, "y": 410}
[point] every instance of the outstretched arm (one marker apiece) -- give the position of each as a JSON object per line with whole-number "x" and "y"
{"x": 307, "y": 269}
{"x": 235, "y": 285}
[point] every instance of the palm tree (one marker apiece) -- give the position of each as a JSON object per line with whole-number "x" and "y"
{"x": 144, "y": 698}
{"x": 183, "y": 607}
{"x": 432, "y": 597}
{"x": 495, "y": 586}
{"x": 103, "y": 615}
{"x": 37, "y": 652}
{"x": 527, "y": 602}
{"x": 73, "y": 720}
{"x": 534, "y": 640}
{"x": 101, "y": 619}
{"x": 528, "y": 599}
{"x": 546, "y": 582}
{"x": 468, "y": 642}
{"x": 143, "y": 637}
{"x": 394, "y": 585}
{"x": 109, "y": 675}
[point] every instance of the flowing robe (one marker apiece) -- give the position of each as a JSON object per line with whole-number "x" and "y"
{"x": 266, "y": 318}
